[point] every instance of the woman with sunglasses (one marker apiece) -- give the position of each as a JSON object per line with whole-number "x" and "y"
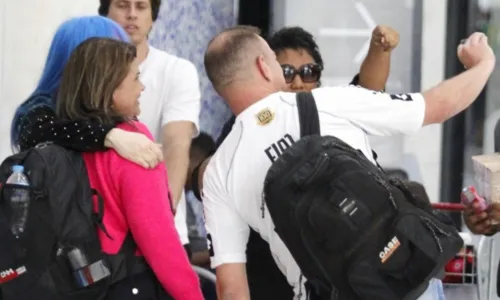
{"x": 299, "y": 56}
{"x": 302, "y": 64}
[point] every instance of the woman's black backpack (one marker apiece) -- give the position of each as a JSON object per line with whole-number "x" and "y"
{"x": 355, "y": 233}
{"x": 61, "y": 217}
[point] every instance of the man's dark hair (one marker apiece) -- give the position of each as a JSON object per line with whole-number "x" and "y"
{"x": 203, "y": 143}
{"x": 226, "y": 53}
{"x": 155, "y": 8}
{"x": 295, "y": 38}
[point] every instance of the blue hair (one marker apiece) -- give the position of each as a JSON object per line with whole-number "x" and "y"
{"x": 68, "y": 36}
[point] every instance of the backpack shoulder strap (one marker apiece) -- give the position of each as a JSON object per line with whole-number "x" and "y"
{"x": 308, "y": 114}
{"x": 309, "y": 118}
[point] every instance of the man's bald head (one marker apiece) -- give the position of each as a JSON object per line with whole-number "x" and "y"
{"x": 229, "y": 53}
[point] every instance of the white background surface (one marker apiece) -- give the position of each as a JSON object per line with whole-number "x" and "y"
{"x": 26, "y": 29}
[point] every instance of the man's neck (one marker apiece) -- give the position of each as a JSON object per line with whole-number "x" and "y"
{"x": 142, "y": 51}
{"x": 241, "y": 97}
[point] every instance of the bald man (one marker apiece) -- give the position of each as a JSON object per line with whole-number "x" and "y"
{"x": 244, "y": 71}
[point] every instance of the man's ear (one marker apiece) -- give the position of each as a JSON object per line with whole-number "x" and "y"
{"x": 263, "y": 68}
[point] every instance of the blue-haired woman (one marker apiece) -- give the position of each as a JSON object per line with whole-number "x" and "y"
{"x": 35, "y": 120}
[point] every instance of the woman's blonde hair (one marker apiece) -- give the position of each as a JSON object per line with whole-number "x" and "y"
{"x": 94, "y": 71}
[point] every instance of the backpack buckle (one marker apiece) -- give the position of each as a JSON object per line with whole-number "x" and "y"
{"x": 43, "y": 145}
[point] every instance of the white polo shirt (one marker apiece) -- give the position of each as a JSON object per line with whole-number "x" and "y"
{"x": 234, "y": 179}
{"x": 172, "y": 93}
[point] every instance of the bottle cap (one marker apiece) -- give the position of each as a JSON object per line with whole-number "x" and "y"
{"x": 18, "y": 168}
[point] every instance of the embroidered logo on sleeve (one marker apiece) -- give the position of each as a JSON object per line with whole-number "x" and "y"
{"x": 402, "y": 97}
{"x": 264, "y": 117}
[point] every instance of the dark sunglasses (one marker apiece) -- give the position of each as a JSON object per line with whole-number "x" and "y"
{"x": 309, "y": 73}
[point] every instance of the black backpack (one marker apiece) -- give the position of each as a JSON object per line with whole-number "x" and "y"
{"x": 60, "y": 218}
{"x": 355, "y": 233}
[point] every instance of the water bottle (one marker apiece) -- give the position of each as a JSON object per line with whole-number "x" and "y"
{"x": 84, "y": 272}
{"x": 19, "y": 199}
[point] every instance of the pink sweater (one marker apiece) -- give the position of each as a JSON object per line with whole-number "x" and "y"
{"x": 137, "y": 199}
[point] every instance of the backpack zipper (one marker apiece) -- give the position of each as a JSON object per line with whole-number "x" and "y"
{"x": 263, "y": 204}
{"x": 299, "y": 294}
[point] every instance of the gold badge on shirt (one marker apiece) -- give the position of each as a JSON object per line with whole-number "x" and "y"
{"x": 264, "y": 117}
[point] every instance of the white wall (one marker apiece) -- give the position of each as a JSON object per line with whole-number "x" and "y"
{"x": 426, "y": 145}
{"x": 26, "y": 29}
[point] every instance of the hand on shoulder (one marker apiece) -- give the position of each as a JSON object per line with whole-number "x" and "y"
{"x": 134, "y": 142}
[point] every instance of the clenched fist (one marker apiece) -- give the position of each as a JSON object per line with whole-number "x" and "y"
{"x": 385, "y": 38}
{"x": 475, "y": 49}
{"x": 478, "y": 222}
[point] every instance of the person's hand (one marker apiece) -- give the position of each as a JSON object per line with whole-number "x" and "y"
{"x": 385, "y": 38}
{"x": 480, "y": 222}
{"x": 494, "y": 213}
{"x": 135, "y": 147}
{"x": 474, "y": 50}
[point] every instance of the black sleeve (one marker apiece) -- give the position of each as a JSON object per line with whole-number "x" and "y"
{"x": 355, "y": 80}
{"x": 225, "y": 131}
{"x": 41, "y": 125}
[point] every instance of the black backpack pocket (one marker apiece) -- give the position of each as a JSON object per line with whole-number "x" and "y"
{"x": 59, "y": 279}
{"x": 8, "y": 257}
{"x": 414, "y": 253}
{"x": 435, "y": 243}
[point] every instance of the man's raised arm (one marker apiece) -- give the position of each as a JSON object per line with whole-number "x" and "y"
{"x": 456, "y": 94}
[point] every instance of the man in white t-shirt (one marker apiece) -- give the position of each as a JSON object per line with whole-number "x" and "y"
{"x": 170, "y": 103}
{"x": 244, "y": 71}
